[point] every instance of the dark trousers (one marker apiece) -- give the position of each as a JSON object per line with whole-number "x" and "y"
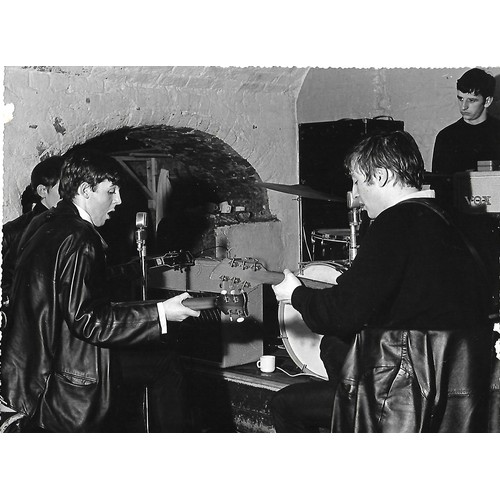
{"x": 303, "y": 407}
{"x": 308, "y": 407}
{"x": 165, "y": 409}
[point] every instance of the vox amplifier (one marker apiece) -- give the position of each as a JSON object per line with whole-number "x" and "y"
{"x": 477, "y": 192}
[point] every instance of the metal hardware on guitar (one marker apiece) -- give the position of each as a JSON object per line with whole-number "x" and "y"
{"x": 232, "y": 304}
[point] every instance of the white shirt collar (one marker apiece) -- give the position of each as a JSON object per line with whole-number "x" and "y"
{"x": 84, "y": 214}
{"x": 424, "y": 193}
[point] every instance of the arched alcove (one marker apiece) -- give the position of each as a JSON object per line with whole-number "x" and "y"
{"x": 189, "y": 182}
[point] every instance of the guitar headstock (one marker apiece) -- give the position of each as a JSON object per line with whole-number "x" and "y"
{"x": 177, "y": 261}
{"x": 240, "y": 273}
{"x": 233, "y": 304}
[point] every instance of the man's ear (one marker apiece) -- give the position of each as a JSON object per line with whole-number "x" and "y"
{"x": 41, "y": 191}
{"x": 488, "y": 101}
{"x": 84, "y": 189}
{"x": 382, "y": 176}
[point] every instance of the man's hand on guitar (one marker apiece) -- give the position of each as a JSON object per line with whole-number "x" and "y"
{"x": 284, "y": 290}
{"x": 175, "y": 310}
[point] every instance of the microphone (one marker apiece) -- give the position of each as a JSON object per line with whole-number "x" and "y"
{"x": 141, "y": 223}
{"x": 353, "y": 202}
{"x": 354, "y": 206}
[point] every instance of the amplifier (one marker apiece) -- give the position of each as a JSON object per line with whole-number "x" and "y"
{"x": 212, "y": 337}
{"x": 477, "y": 192}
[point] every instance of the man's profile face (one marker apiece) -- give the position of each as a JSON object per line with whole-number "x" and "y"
{"x": 53, "y": 197}
{"x": 102, "y": 201}
{"x": 49, "y": 195}
{"x": 370, "y": 194}
{"x": 472, "y": 107}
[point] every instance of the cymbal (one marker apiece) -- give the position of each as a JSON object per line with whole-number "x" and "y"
{"x": 300, "y": 190}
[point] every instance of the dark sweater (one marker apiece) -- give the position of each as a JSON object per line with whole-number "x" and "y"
{"x": 412, "y": 271}
{"x": 460, "y": 146}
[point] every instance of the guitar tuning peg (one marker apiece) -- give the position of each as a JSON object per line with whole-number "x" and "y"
{"x": 239, "y": 317}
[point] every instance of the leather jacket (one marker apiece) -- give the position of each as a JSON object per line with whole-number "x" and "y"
{"x": 56, "y": 348}
{"x": 414, "y": 381}
{"x": 12, "y": 232}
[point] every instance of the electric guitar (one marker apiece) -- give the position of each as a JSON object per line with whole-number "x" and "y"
{"x": 132, "y": 269}
{"x": 229, "y": 303}
{"x": 247, "y": 273}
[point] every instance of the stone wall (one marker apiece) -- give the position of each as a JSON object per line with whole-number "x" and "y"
{"x": 253, "y": 110}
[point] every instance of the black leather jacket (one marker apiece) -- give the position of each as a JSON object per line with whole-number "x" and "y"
{"x": 12, "y": 232}
{"x": 55, "y": 350}
{"x": 414, "y": 381}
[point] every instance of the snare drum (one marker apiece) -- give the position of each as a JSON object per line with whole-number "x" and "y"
{"x": 330, "y": 244}
{"x": 301, "y": 343}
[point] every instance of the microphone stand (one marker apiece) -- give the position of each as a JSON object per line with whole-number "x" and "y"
{"x": 140, "y": 237}
{"x": 354, "y": 222}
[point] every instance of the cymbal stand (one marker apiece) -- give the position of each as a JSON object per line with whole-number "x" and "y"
{"x": 354, "y": 207}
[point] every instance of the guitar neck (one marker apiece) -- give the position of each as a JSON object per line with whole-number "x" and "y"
{"x": 273, "y": 278}
{"x": 200, "y": 303}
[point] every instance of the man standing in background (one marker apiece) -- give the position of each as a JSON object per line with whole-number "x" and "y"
{"x": 476, "y": 136}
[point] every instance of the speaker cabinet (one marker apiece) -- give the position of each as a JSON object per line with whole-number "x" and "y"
{"x": 477, "y": 192}
{"x": 212, "y": 337}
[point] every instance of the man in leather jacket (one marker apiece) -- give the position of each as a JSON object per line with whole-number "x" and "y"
{"x": 59, "y": 365}
{"x": 413, "y": 307}
{"x": 43, "y": 190}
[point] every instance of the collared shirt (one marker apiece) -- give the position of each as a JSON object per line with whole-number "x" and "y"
{"x": 162, "y": 316}
{"x": 424, "y": 193}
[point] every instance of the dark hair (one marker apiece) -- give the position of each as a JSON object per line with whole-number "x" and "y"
{"x": 28, "y": 197}
{"x": 86, "y": 165}
{"x": 394, "y": 151}
{"x": 46, "y": 173}
{"x": 476, "y": 81}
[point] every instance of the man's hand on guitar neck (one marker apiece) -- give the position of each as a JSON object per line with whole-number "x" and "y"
{"x": 284, "y": 290}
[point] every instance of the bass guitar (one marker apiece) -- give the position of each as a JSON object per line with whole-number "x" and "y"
{"x": 228, "y": 303}
{"x": 247, "y": 273}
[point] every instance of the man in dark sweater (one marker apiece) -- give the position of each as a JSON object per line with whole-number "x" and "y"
{"x": 476, "y": 136}
{"x": 413, "y": 309}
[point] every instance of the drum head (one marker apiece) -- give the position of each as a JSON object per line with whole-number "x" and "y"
{"x": 330, "y": 244}
{"x": 341, "y": 234}
{"x": 300, "y": 342}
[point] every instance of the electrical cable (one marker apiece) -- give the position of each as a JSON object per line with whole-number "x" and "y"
{"x": 292, "y": 375}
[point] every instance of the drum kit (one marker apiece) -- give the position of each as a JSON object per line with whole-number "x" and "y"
{"x": 333, "y": 252}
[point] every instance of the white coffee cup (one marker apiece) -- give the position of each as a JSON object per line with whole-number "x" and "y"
{"x": 266, "y": 364}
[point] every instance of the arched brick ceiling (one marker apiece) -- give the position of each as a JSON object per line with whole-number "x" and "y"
{"x": 204, "y": 171}
{"x": 200, "y": 161}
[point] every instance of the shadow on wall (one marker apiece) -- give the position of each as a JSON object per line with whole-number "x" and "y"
{"x": 203, "y": 172}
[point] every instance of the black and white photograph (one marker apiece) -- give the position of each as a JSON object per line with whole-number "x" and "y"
{"x": 238, "y": 242}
